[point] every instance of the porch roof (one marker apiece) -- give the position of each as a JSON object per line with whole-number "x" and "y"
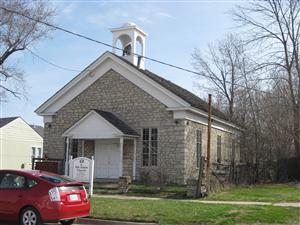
{"x": 98, "y": 124}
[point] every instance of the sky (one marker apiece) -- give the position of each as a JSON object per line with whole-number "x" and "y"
{"x": 174, "y": 28}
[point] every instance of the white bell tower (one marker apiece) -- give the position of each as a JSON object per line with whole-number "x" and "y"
{"x": 130, "y": 36}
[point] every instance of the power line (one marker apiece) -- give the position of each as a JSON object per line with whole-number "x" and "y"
{"x": 51, "y": 63}
{"x": 108, "y": 45}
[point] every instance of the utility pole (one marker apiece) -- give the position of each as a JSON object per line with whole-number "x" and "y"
{"x": 208, "y": 134}
{"x": 208, "y": 166}
{"x": 202, "y": 162}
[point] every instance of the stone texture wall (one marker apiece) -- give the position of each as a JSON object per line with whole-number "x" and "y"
{"x": 128, "y": 158}
{"x": 116, "y": 94}
{"x": 191, "y": 170}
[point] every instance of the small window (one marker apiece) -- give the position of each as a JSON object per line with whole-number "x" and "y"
{"x": 199, "y": 147}
{"x": 11, "y": 181}
{"x": 219, "y": 149}
{"x": 37, "y": 152}
{"x": 233, "y": 150}
{"x": 150, "y": 146}
{"x": 57, "y": 179}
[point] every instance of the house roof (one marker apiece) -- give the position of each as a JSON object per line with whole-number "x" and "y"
{"x": 117, "y": 122}
{"x": 7, "y": 120}
{"x": 170, "y": 94}
{"x": 38, "y": 129}
{"x": 186, "y": 95}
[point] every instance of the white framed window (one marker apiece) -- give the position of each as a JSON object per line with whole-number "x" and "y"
{"x": 219, "y": 148}
{"x": 37, "y": 152}
{"x": 150, "y": 146}
{"x": 233, "y": 150}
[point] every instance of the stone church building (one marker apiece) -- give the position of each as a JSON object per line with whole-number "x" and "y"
{"x": 133, "y": 121}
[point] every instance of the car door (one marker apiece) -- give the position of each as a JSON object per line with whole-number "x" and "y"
{"x": 11, "y": 187}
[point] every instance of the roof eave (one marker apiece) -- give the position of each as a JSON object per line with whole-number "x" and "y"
{"x": 205, "y": 114}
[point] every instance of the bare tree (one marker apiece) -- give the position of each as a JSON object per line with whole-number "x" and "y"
{"x": 16, "y": 34}
{"x": 274, "y": 27}
{"x": 224, "y": 66}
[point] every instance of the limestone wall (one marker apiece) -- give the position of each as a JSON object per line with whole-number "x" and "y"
{"x": 191, "y": 170}
{"x": 116, "y": 94}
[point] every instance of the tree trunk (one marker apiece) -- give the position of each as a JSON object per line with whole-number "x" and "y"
{"x": 296, "y": 131}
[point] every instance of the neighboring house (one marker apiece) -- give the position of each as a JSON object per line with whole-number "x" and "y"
{"x": 133, "y": 121}
{"x": 38, "y": 129}
{"x": 18, "y": 143}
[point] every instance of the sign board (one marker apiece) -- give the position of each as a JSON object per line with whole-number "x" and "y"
{"x": 82, "y": 169}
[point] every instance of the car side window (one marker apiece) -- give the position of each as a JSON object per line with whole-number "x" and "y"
{"x": 9, "y": 180}
{"x": 31, "y": 183}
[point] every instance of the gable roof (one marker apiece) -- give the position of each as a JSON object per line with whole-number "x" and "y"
{"x": 108, "y": 61}
{"x": 186, "y": 95}
{"x": 38, "y": 129}
{"x": 6, "y": 120}
{"x": 168, "y": 93}
{"x": 99, "y": 124}
{"x": 117, "y": 122}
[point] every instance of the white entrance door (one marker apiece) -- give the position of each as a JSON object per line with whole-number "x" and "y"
{"x": 107, "y": 160}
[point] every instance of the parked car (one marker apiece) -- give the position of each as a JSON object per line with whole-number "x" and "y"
{"x": 32, "y": 197}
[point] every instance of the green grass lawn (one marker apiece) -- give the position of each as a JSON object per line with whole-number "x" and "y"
{"x": 263, "y": 193}
{"x": 171, "y": 212}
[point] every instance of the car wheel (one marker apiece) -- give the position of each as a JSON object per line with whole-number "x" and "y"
{"x": 67, "y": 222}
{"x": 30, "y": 216}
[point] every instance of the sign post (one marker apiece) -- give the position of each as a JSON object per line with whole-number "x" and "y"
{"x": 91, "y": 181}
{"x": 82, "y": 169}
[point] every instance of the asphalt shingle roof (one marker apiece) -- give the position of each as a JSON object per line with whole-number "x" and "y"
{"x": 6, "y": 120}
{"x": 38, "y": 129}
{"x": 117, "y": 122}
{"x": 186, "y": 95}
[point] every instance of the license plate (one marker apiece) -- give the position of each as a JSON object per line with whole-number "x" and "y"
{"x": 74, "y": 197}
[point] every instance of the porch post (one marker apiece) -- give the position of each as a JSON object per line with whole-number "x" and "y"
{"x": 121, "y": 156}
{"x": 134, "y": 159}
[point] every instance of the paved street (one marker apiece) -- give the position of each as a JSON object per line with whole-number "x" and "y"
{"x": 93, "y": 222}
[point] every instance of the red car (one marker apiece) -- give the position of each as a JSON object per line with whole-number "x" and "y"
{"x": 33, "y": 197}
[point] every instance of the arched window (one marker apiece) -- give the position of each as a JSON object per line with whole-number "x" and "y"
{"x": 126, "y": 44}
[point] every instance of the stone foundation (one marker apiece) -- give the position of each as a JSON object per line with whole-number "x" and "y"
{"x": 123, "y": 184}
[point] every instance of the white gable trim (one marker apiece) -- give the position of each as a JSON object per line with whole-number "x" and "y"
{"x": 115, "y": 132}
{"x": 97, "y": 69}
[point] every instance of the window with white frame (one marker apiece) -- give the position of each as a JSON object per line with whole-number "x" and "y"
{"x": 199, "y": 147}
{"x": 219, "y": 149}
{"x": 37, "y": 152}
{"x": 233, "y": 150}
{"x": 150, "y": 146}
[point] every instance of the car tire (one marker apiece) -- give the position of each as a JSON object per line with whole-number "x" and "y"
{"x": 30, "y": 216}
{"x": 67, "y": 222}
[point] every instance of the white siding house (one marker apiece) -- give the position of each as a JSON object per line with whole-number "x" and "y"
{"x": 18, "y": 143}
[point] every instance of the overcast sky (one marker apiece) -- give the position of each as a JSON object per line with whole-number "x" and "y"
{"x": 174, "y": 29}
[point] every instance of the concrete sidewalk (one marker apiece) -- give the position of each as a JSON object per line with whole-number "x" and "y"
{"x": 281, "y": 204}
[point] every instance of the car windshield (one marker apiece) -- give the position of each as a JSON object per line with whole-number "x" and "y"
{"x": 57, "y": 179}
